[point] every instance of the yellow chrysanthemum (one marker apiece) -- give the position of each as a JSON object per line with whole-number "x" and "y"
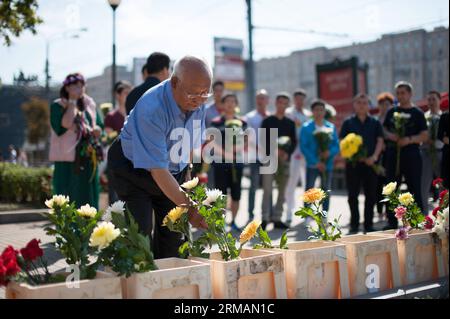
{"x": 389, "y": 189}
{"x": 313, "y": 195}
{"x": 350, "y": 145}
{"x": 249, "y": 231}
{"x": 87, "y": 211}
{"x": 103, "y": 235}
{"x": 174, "y": 215}
{"x": 406, "y": 199}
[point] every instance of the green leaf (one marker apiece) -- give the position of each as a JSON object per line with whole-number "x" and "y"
{"x": 283, "y": 240}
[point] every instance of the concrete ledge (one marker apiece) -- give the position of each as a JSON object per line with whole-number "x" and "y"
{"x": 438, "y": 289}
{"x": 22, "y": 216}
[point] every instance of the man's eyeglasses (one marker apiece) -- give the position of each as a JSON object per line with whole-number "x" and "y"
{"x": 202, "y": 96}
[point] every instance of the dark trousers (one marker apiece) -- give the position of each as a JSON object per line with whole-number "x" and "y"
{"x": 139, "y": 191}
{"x": 357, "y": 176}
{"x": 411, "y": 169}
{"x": 444, "y": 167}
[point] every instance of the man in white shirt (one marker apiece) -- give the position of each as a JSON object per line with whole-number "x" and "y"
{"x": 254, "y": 120}
{"x": 299, "y": 115}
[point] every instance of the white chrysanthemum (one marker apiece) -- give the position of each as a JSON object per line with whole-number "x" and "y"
{"x": 57, "y": 200}
{"x": 87, "y": 211}
{"x": 117, "y": 207}
{"x": 212, "y": 196}
{"x": 190, "y": 184}
{"x": 103, "y": 235}
{"x": 389, "y": 189}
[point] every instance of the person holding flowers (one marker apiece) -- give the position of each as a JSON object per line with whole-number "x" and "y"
{"x": 431, "y": 148}
{"x": 228, "y": 173}
{"x": 76, "y": 129}
{"x": 367, "y": 134}
{"x": 405, "y": 129}
{"x": 148, "y": 164}
{"x": 287, "y": 142}
{"x": 319, "y": 144}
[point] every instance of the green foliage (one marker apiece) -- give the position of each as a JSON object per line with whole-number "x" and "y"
{"x": 37, "y": 113}
{"x": 130, "y": 252}
{"x": 24, "y": 184}
{"x": 266, "y": 242}
{"x": 325, "y": 230}
{"x": 17, "y": 16}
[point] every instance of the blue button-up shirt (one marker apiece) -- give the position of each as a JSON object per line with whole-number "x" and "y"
{"x": 158, "y": 134}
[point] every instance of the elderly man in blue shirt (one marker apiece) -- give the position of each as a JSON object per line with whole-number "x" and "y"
{"x": 152, "y": 155}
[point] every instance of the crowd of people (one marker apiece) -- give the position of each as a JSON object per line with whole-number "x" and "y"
{"x": 415, "y": 154}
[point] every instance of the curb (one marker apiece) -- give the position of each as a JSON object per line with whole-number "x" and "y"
{"x": 22, "y": 216}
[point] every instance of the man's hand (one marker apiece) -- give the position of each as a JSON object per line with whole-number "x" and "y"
{"x": 404, "y": 141}
{"x": 325, "y": 155}
{"x": 393, "y": 137}
{"x": 370, "y": 161}
{"x": 196, "y": 219}
{"x": 321, "y": 167}
{"x": 445, "y": 140}
{"x": 283, "y": 155}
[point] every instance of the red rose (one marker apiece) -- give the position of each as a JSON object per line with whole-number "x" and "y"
{"x": 428, "y": 223}
{"x": 435, "y": 211}
{"x": 9, "y": 257}
{"x": 437, "y": 182}
{"x": 32, "y": 250}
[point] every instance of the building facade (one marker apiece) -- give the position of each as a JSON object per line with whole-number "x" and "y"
{"x": 419, "y": 57}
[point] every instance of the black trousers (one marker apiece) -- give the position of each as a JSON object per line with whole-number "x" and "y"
{"x": 411, "y": 169}
{"x": 137, "y": 188}
{"x": 444, "y": 167}
{"x": 357, "y": 176}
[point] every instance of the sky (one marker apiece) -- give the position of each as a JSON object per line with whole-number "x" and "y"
{"x": 180, "y": 27}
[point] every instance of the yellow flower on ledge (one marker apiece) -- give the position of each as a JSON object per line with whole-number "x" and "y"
{"x": 314, "y": 195}
{"x": 406, "y": 199}
{"x": 103, "y": 235}
{"x": 389, "y": 188}
{"x": 174, "y": 215}
{"x": 249, "y": 232}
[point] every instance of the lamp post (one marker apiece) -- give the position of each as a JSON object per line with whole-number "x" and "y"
{"x": 48, "y": 41}
{"x": 114, "y": 5}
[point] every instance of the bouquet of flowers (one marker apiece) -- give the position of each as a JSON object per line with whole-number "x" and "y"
{"x": 324, "y": 230}
{"x": 400, "y": 120}
{"x": 438, "y": 221}
{"x": 235, "y": 140}
{"x": 109, "y": 138}
{"x": 353, "y": 150}
{"x": 119, "y": 243}
{"x": 211, "y": 206}
{"x": 72, "y": 229}
{"x": 25, "y": 266}
{"x": 323, "y": 136}
{"x": 405, "y": 209}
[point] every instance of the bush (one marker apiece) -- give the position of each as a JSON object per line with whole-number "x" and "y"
{"x": 22, "y": 184}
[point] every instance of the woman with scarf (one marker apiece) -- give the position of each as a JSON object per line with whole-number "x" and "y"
{"x": 76, "y": 128}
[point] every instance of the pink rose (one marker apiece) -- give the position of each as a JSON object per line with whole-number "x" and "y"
{"x": 400, "y": 212}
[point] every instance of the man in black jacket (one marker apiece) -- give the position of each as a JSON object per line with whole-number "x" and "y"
{"x": 157, "y": 68}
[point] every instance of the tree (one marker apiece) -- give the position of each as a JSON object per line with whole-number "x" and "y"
{"x": 37, "y": 114}
{"x": 17, "y": 16}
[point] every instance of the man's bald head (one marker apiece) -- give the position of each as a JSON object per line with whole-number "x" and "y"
{"x": 191, "y": 81}
{"x": 191, "y": 66}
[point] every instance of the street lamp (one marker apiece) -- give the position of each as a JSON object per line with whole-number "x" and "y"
{"x": 114, "y": 5}
{"x": 48, "y": 40}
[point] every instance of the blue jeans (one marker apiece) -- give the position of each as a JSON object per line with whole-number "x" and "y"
{"x": 311, "y": 175}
